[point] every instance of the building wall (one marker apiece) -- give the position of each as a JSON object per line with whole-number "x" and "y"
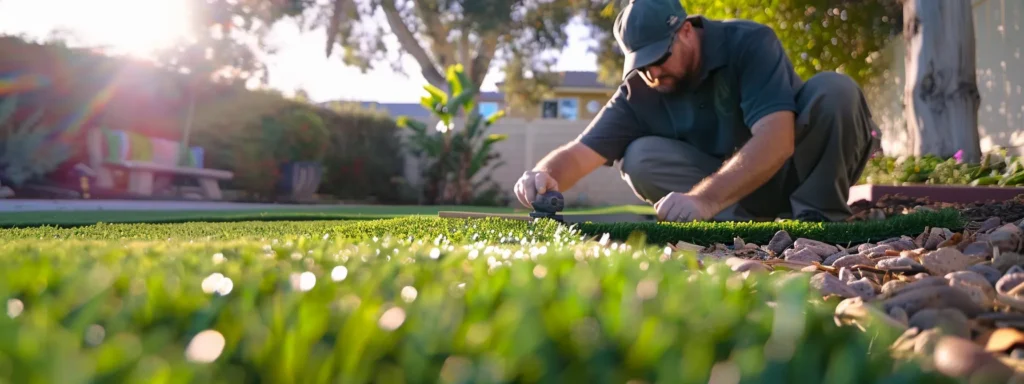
{"x": 528, "y": 142}
{"x": 999, "y": 35}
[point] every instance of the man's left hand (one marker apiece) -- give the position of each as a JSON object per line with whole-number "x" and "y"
{"x": 677, "y": 206}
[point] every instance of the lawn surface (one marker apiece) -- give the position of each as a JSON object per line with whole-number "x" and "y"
{"x": 284, "y": 213}
{"x": 497, "y": 230}
{"x": 423, "y": 299}
{"x": 411, "y": 300}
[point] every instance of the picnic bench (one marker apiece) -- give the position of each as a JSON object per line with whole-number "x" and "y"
{"x": 146, "y": 159}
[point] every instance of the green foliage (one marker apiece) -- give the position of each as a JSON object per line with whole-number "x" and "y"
{"x": 296, "y": 134}
{"x": 28, "y": 148}
{"x": 248, "y": 133}
{"x": 705, "y": 233}
{"x": 455, "y": 155}
{"x": 995, "y": 169}
{"x": 364, "y": 160}
{"x": 818, "y": 35}
{"x": 308, "y": 303}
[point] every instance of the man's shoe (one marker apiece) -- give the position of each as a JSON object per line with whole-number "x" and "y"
{"x": 812, "y": 216}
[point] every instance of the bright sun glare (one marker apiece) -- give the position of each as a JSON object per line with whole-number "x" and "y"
{"x": 134, "y": 27}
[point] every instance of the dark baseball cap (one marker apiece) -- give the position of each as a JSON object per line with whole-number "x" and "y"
{"x": 644, "y": 31}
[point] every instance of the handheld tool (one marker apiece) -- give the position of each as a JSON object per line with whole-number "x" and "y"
{"x": 547, "y": 205}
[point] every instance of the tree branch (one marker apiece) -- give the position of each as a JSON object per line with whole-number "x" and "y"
{"x": 482, "y": 62}
{"x": 464, "y": 49}
{"x": 342, "y": 10}
{"x": 409, "y": 43}
{"x": 443, "y": 49}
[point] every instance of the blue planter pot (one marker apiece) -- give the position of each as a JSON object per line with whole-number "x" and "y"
{"x": 300, "y": 179}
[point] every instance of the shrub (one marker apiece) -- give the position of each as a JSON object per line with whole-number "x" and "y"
{"x": 29, "y": 149}
{"x": 996, "y": 168}
{"x": 303, "y": 135}
{"x": 365, "y": 159}
{"x": 358, "y": 147}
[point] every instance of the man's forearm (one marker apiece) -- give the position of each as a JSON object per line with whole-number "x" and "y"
{"x": 569, "y": 163}
{"x": 755, "y": 163}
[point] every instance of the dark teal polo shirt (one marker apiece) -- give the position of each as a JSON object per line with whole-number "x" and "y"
{"x": 745, "y": 75}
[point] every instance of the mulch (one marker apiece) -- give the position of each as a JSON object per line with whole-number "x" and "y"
{"x": 894, "y": 205}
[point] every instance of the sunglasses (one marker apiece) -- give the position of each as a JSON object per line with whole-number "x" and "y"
{"x": 660, "y": 60}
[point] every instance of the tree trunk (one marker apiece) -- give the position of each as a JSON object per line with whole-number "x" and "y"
{"x": 941, "y": 92}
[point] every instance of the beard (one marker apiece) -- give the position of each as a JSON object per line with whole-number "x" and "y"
{"x": 673, "y": 84}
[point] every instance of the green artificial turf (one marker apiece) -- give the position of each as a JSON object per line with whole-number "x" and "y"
{"x": 460, "y": 301}
{"x": 761, "y": 232}
{"x": 285, "y": 213}
{"x": 423, "y": 299}
{"x": 499, "y": 230}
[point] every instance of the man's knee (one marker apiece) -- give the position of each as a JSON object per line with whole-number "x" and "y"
{"x": 830, "y": 94}
{"x": 641, "y": 156}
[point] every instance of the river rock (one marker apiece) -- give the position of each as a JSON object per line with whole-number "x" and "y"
{"x": 846, "y": 275}
{"x": 945, "y": 260}
{"x": 935, "y": 237}
{"x": 819, "y": 248}
{"x": 972, "y": 278}
{"x": 833, "y": 257}
{"x": 961, "y": 358}
{"x": 810, "y": 269}
{"x": 864, "y": 287}
{"x": 877, "y": 251}
{"x": 1014, "y": 269}
{"x": 900, "y": 315}
{"x": 950, "y": 321}
{"x": 779, "y": 242}
{"x": 990, "y": 224}
{"x": 891, "y": 287}
{"x": 851, "y": 260}
{"x": 903, "y": 243}
{"x": 1004, "y": 260}
{"x": 742, "y": 265}
{"x": 943, "y": 296}
{"x": 990, "y": 273}
{"x": 738, "y": 243}
{"x": 1007, "y": 238}
{"x": 919, "y": 276}
{"x": 978, "y": 294}
{"x": 831, "y": 285}
{"x": 979, "y": 249}
{"x": 856, "y": 310}
{"x": 897, "y": 262}
{"x": 801, "y": 254}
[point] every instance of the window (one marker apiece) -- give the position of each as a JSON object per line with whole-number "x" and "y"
{"x": 550, "y": 110}
{"x": 488, "y": 108}
{"x": 566, "y": 108}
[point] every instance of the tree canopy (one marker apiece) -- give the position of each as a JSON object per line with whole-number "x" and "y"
{"x": 819, "y": 35}
{"x": 442, "y": 33}
{"x": 227, "y": 38}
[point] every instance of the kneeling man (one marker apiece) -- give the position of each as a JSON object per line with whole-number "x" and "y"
{"x": 711, "y": 122}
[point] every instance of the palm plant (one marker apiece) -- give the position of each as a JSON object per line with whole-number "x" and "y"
{"x": 454, "y": 156}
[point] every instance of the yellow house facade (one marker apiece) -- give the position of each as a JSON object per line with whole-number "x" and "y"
{"x": 577, "y": 97}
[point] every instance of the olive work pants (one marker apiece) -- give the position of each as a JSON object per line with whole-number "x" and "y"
{"x": 833, "y": 143}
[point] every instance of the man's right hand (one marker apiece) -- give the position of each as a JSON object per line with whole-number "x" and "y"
{"x": 533, "y": 183}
